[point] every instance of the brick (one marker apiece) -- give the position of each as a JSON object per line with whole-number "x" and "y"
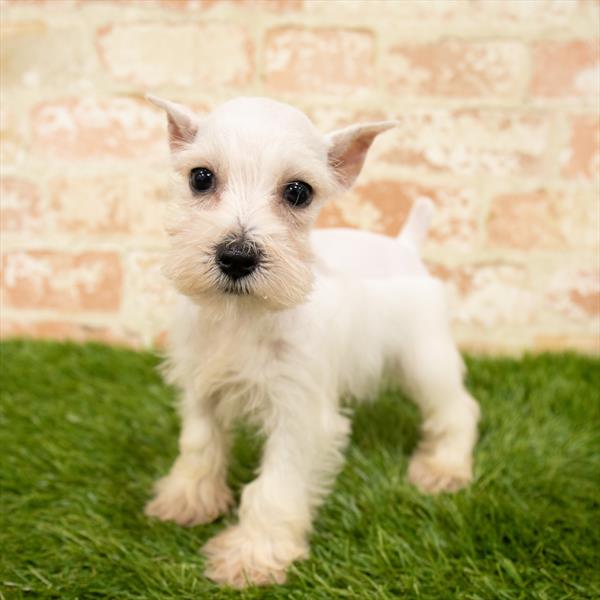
{"x": 120, "y": 203}
{"x": 383, "y": 205}
{"x": 183, "y": 55}
{"x": 574, "y": 292}
{"x": 457, "y": 69}
{"x": 566, "y": 69}
{"x": 489, "y": 295}
{"x": 34, "y": 55}
{"x": 319, "y": 60}
{"x": 63, "y": 330}
{"x": 90, "y": 281}
{"x": 13, "y": 137}
{"x": 525, "y": 221}
{"x": 469, "y": 142}
{"x": 20, "y": 209}
{"x": 558, "y": 12}
{"x": 581, "y": 158}
{"x": 387, "y": 10}
{"x": 580, "y": 218}
{"x": 149, "y": 296}
{"x": 89, "y": 128}
{"x": 268, "y": 5}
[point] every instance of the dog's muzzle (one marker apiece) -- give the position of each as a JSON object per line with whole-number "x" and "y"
{"x": 237, "y": 258}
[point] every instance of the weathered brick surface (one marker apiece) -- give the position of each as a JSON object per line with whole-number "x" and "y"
{"x": 319, "y": 60}
{"x": 581, "y": 157}
{"x": 89, "y": 281}
{"x": 471, "y": 142}
{"x": 180, "y": 55}
{"x": 20, "y": 209}
{"x": 458, "y": 69}
{"x": 121, "y": 204}
{"x": 498, "y": 124}
{"x": 90, "y": 128}
{"x": 563, "y": 69}
{"x": 526, "y": 221}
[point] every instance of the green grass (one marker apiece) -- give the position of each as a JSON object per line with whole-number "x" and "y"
{"x": 86, "y": 429}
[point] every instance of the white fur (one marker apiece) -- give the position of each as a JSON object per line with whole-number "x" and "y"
{"x": 332, "y": 316}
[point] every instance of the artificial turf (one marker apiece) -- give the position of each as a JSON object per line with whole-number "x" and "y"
{"x": 87, "y": 428}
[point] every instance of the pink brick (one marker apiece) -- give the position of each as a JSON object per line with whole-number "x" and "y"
{"x": 566, "y": 69}
{"x": 301, "y": 60}
{"x": 574, "y": 292}
{"x": 20, "y": 209}
{"x": 581, "y": 158}
{"x": 469, "y": 142}
{"x": 151, "y": 54}
{"x": 90, "y": 281}
{"x": 91, "y": 128}
{"x": 525, "y": 221}
{"x": 457, "y": 69}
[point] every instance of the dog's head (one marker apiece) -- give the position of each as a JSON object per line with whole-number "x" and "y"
{"x": 250, "y": 179}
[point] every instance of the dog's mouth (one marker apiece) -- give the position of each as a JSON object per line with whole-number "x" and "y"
{"x": 236, "y": 289}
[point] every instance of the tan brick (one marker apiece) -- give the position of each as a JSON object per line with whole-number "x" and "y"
{"x": 119, "y": 203}
{"x": 20, "y": 209}
{"x": 525, "y": 221}
{"x": 152, "y": 55}
{"x": 319, "y": 60}
{"x": 14, "y": 143}
{"x": 557, "y": 12}
{"x": 63, "y": 330}
{"x": 34, "y": 55}
{"x": 566, "y": 69}
{"x": 388, "y": 11}
{"x": 581, "y": 159}
{"x": 383, "y": 205}
{"x": 99, "y": 128}
{"x": 469, "y": 142}
{"x": 90, "y": 281}
{"x": 268, "y": 5}
{"x": 149, "y": 296}
{"x": 580, "y": 218}
{"x": 457, "y": 69}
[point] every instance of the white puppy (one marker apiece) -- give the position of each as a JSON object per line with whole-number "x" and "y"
{"x": 279, "y": 325}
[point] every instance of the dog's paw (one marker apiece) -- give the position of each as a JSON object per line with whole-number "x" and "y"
{"x": 239, "y": 559}
{"x": 188, "y": 501}
{"x": 431, "y": 475}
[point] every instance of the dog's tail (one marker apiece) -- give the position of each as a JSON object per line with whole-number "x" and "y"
{"x": 418, "y": 222}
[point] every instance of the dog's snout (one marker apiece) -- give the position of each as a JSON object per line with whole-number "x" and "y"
{"x": 237, "y": 259}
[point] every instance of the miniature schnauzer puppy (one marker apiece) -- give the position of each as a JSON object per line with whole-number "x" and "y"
{"x": 278, "y": 324}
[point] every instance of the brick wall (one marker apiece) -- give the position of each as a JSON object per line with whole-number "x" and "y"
{"x": 498, "y": 104}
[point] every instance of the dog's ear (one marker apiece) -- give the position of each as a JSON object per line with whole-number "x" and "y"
{"x": 348, "y": 148}
{"x": 183, "y": 123}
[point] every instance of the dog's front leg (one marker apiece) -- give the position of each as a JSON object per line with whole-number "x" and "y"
{"x": 195, "y": 490}
{"x": 302, "y": 455}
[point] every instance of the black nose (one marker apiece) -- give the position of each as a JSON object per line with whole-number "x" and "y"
{"x": 237, "y": 259}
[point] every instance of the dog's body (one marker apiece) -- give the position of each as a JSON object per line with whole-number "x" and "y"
{"x": 279, "y": 325}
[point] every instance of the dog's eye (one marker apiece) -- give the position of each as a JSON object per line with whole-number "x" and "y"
{"x": 201, "y": 179}
{"x": 297, "y": 193}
